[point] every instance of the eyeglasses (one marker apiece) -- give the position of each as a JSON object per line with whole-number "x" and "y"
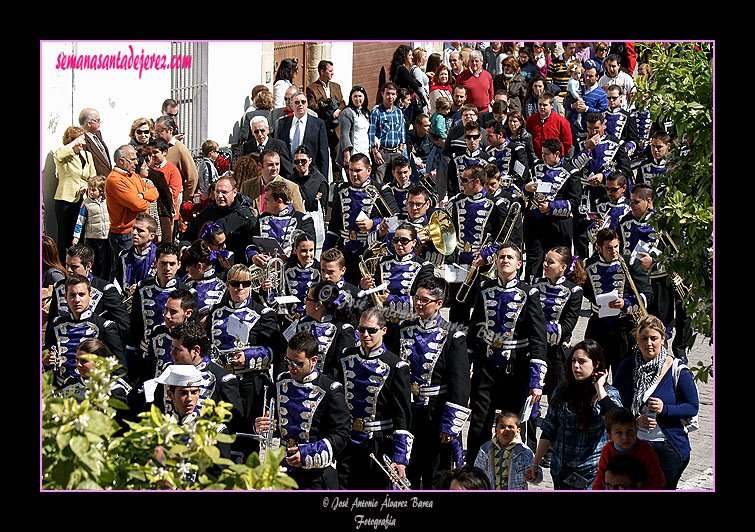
{"x": 300, "y": 102}
{"x": 402, "y": 240}
{"x": 371, "y": 330}
{"x": 415, "y": 204}
{"x": 634, "y": 201}
{"x": 294, "y": 363}
{"x": 301, "y": 162}
{"x": 236, "y": 283}
{"x": 424, "y": 300}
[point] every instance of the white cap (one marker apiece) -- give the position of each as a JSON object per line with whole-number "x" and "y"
{"x": 174, "y": 375}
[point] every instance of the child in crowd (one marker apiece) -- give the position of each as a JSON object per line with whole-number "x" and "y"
{"x": 94, "y": 223}
{"x": 621, "y": 428}
{"x": 439, "y": 125}
{"x": 504, "y": 458}
{"x": 206, "y": 169}
{"x": 574, "y": 88}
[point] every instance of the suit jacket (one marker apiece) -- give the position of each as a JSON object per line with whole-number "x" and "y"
{"x": 315, "y": 138}
{"x": 251, "y": 189}
{"x": 316, "y": 92}
{"x": 277, "y": 145}
{"x": 101, "y": 159}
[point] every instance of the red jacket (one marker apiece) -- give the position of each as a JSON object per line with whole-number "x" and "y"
{"x": 644, "y": 453}
{"x": 555, "y": 126}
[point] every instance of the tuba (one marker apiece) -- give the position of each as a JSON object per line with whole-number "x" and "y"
{"x": 440, "y": 231}
{"x": 508, "y": 224}
{"x": 400, "y": 483}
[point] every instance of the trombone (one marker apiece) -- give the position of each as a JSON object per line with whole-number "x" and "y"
{"x": 510, "y": 220}
{"x": 373, "y": 192}
{"x": 637, "y": 315}
{"x": 388, "y": 469}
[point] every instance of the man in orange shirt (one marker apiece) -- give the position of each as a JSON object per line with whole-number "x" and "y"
{"x": 158, "y": 153}
{"x": 127, "y": 195}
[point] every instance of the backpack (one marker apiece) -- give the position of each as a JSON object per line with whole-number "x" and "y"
{"x": 690, "y": 424}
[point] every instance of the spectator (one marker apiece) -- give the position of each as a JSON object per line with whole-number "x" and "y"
{"x": 548, "y": 124}
{"x": 441, "y": 87}
{"x": 401, "y": 74}
{"x": 541, "y": 57}
{"x": 284, "y": 79}
{"x": 600, "y": 51}
{"x": 141, "y": 132}
{"x": 355, "y": 124}
{"x": 179, "y": 155}
{"x": 387, "y": 132}
{"x": 74, "y": 166}
{"x": 262, "y": 105}
{"x": 661, "y": 393}
{"x": 313, "y": 187}
{"x": 302, "y": 128}
{"x": 325, "y": 98}
{"x": 527, "y": 68}
{"x": 478, "y": 82}
{"x": 558, "y": 73}
{"x": 261, "y": 141}
{"x": 127, "y": 195}
{"x": 456, "y": 64}
{"x": 247, "y": 168}
{"x": 89, "y": 120}
{"x": 206, "y": 171}
{"x": 574, "y": 424}
{"x": 614, "y": 75}
{"x": 512, "y": 83}
{"x": 433, "y": 63}
{"x": 169, "y": 210}
{"x": 465, "y": 478}
{"x": 592, "y": 100}
{"x": 93, "y": 223}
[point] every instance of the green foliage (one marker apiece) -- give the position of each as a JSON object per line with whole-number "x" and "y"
{"x": 680, "y": 91}
{"x": 84, "y": 447}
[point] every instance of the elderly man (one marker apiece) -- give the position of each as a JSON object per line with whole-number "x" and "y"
{"x": 231, "y": 211}
{"x": 478, "y": 82}
{"x": 270, "y": 170}
{"x": 261, "y": 141}
{"x": 302, "y": 128}
{"x": 127, "y": 195}
{"x": 89, "y": 119}
{"x": 179, "y": 155}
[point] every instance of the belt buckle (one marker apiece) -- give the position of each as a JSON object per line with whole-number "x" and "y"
{"x": 358, "y": 424}
{"x": 414, "y": 388}
{"x": 497, "y": 342}
{"x": 353, "y": 235}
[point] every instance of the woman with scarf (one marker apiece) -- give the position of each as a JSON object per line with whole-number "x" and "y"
{"x": 660, "y": 391}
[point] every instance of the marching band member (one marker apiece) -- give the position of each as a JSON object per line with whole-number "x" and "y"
{"x": 474, "y": 154}
{"x": 214, "y": 234}
{"x": 245, "y": 339}
{"x": 439, "y": 384}
{"x": 149, "y": 300}
{"x": 333, "y": 268}
{"x": 205, "y": 272}
{"x": 378, "y": 398}
{"x": 402, "y": 270}
{"x": 614, "y": 206}
{"x": 106, "y": 299}
{"x": 356, "y": 215}
{"x": 607, "y": 278}
{"x": 65, "y": 332}
{"x": 314, "y": 420}
{"x": 476, "y": 216}
{"x": 333, "y": 335}
{"x": 138, "y": 262}
{"x": 400, "y": 184}
{"x": 600, "y": 155}
{"x": 619, "y": 122}
{"x": 509, "y": 345}
{"x": 655, "y": 163}
{"x": 301, "y": 272}
{"x": 560, "y": 288}
{"x": 507, "y": 154}
{"x": 554, "y": 198}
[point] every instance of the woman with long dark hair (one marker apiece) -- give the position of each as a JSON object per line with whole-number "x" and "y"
{"x": 574, "y": 424}
{"x": 284, "y": 78}
{"x": 354, "y": 122}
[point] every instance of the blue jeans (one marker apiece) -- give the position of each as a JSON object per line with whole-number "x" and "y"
{"x": 671, "y": 463}
{"x": 118, "y": 243}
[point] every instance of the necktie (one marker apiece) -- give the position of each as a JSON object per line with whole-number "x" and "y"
{"x": 296, "y": 141}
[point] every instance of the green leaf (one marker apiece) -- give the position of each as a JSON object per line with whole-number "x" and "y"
{"x": 79, "y": 445}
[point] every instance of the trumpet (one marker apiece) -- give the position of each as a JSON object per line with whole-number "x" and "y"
{"x": 510, "y": 221}
{"x": 642, "y": 313}
{"x": 388, "y": 469}
{"x": 592, "y": 234}
{"x": 676, "y": 280}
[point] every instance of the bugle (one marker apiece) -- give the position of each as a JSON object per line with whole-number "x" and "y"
{"x": 676, "y": 280}
{"x": 392, "y": 473}
{"x": 642, "y": 312}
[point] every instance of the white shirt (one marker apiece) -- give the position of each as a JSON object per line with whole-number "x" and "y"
{"x": 302, "y": 127}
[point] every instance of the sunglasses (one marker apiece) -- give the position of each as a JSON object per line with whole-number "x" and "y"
{"x": 402, "y": 240}
{"x": 300, "y": 162}
{"x": 612, "y": 98}
{"x": 259, "y": 131}
{"x": 294, "y": 363}
{"x": 472, "y": 136}
{"x": 236, "y": 284}
{"x": 142, "y": 131}
{"x": 613, "y": 189}
{"x": 371, "y": 330}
